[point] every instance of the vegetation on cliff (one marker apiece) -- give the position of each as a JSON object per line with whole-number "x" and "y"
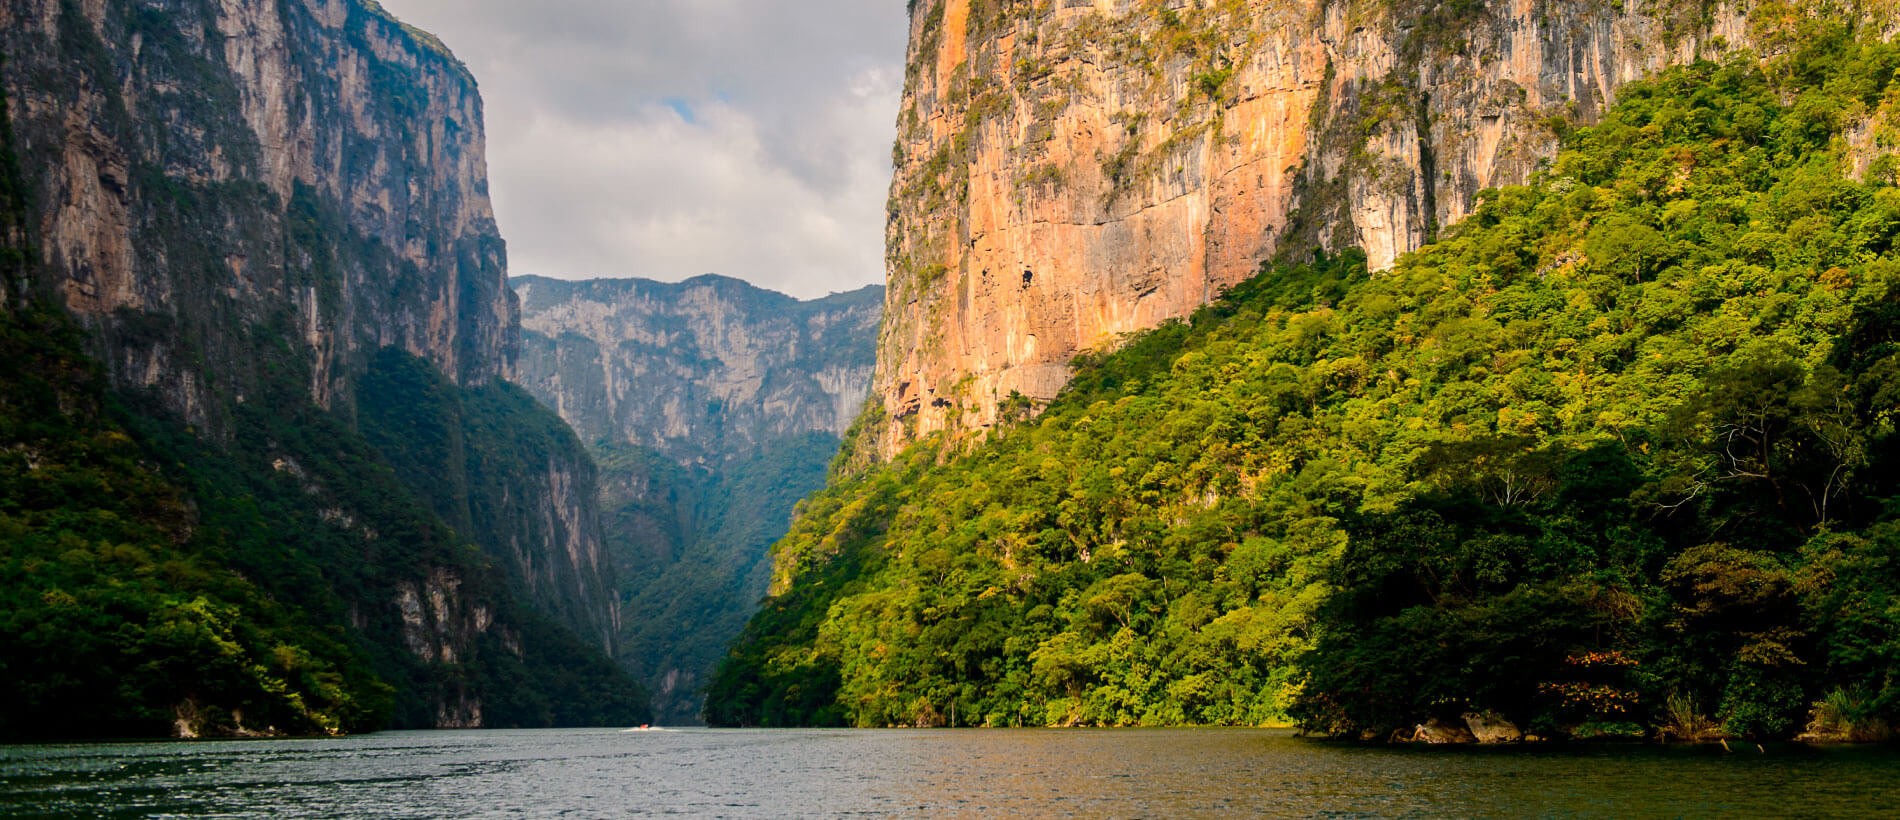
{"x": 1614, "y": 455}
{"x": 119, "y": 613}
{"x": 112, "y": 615}
{"x": 694, "y": 548}
{"x": 153, "y": 580}
{"x": 158, "y": 579}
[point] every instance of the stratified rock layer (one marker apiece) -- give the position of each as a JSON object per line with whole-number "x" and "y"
{"x": 1069, "y": 171}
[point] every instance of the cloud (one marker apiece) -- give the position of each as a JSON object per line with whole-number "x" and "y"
{"x": 670, "y": 138}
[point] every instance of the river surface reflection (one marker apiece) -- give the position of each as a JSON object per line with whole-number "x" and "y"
{"x": 990, "y": 773}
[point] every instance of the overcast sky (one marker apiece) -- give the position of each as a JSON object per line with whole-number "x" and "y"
{"x": 670, "y": 138}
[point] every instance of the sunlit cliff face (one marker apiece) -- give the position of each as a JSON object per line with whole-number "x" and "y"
{"x": 704, "y": 370}
{"x": 1068, "y": 172}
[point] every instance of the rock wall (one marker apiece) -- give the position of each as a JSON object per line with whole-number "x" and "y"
{"x": 504, "y": 471}
{"x": 233, "y": 196}
{"x": 535, "y": 504}
{"x": 438, "y": 626}
{"x": 311, "y": 167}
{"x": 702, "y": 370}
{"x": 1069, "y": 171}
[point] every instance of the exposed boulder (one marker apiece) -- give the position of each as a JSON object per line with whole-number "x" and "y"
{"x": 1437, "y": 731}
{"x": 1490, "y": 727}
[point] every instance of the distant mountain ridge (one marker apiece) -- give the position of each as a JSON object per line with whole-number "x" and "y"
{"x": 698, "y": 369}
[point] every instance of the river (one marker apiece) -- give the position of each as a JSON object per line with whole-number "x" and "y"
{"x": 990, "y": 773}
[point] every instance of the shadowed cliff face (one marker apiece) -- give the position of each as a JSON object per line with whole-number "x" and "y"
{"x": 203, "y": 166}
{"x": 505, "y": 472}
{"x": 1074, "y": 170}
{"x": 712, "y": 407}
{"x": 259, "y": 208}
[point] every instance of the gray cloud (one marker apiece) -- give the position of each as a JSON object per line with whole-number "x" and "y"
{"x": 670, "y": 138}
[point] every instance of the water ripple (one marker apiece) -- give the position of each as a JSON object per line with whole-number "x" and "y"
{"x": 1019, "y": 773}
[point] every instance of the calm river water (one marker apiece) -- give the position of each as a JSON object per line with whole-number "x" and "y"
{"x": 991, "y": 773}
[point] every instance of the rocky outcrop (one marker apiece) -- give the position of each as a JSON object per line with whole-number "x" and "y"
{"x": 505, "y": 472}
{"x": 1072, "y": 171}
{"x": 1488, "y": 727}
{"x": 537, "y": 507}
{"x": 437, "y": 624}
{"x": 701, "y": 370}
{"x": 1437, "y": 731}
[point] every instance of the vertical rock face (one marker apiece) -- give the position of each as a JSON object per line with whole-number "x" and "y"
{"x": 1072, "y": 170}
{"x": 251, "y": 205}
{"x": 713, "y": 407}
{"x": 700, "y": 370}
{"x": 312, "y": 168}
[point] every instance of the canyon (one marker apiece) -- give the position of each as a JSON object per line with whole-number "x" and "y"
{"x": 712, "y": 407}
{"x": 701, "y": 370}
{"x": 1455, "y": 454}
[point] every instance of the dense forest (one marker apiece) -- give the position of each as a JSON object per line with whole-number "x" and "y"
{"x": 1614, "y": 456}
{"x": 153, "y": 580}
{"x": 115, "y": 610}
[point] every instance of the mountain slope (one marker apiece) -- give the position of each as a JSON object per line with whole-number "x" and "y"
{"x": 700, "y": 369}
{"x": 1609, "y": 457}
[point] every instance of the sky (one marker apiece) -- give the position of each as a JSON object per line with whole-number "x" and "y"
{"x": 670, "y": 138}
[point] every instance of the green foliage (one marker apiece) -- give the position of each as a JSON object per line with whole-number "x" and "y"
{"x": 319, "y": 518}
{"x": 772, "y": 678}
{"x": 693, "y": 552}
{"x": 1611, "y": 453}
{"x": 119, "y": 614}
{"x": 1210, "y": 82}
{"x": 480, "y": 459}
{"x": 412, "y": 415}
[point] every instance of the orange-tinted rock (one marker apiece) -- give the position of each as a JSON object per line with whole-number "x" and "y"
{"x": 1069, "y": 171}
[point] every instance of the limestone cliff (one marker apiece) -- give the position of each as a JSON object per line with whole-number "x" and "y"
{"x": 701, "y": 370}
{"x": 1072, "y": 170}
{"x": 206, "y": 165}
{"x": 712, "y": 406}
{"x": 246, "y": 203}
